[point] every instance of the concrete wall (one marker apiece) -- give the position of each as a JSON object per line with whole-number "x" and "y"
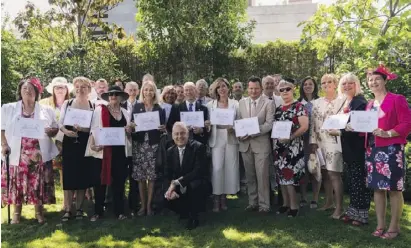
{"x": 273, "y": 22}
{"x": 279, "y": 21}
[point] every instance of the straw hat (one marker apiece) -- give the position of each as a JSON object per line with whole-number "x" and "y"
{"x": 59, "y": 81}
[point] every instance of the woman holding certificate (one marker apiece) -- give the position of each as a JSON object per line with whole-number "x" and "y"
{"x": 146, "y": 140}
{"x": 385, "y": 159}
{"x": 60, "y": 90}
{"x": 76, "y": 167}
{"x": 225, "y": 175}
{"x": 28, "y": 151}
{"x": 289, "y": 152}
{"x": 110, "y": 167}
{"x": 353, "y": 153}
{"x": 329, "y": 143}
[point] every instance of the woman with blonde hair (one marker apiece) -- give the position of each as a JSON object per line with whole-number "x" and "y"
{"x": 76, "y": 167}
{"x": 145, "y": 145}
{"x": 353, "y": 153}
{"x": 329, "y": 143}
{"x": 167, "y": 99}
{"x": 225, "y": 175}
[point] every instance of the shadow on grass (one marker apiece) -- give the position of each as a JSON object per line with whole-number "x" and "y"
{"x": 233, "y": 228}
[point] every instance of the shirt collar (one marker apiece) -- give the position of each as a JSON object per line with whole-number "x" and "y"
{"x": 256, "y": 100}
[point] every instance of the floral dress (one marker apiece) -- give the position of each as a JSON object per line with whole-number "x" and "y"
{"x": 289, "y": 158}
{"x": 30, "y": 182}
{"x": 144, "y": 160}
{"x": 330, "y": 145}
{"x": 385, "y": 165}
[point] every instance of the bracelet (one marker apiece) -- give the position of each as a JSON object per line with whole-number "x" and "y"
{"x": 389, "y": 134}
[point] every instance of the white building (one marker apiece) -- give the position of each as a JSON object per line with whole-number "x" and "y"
{"x": 272, "y": 21}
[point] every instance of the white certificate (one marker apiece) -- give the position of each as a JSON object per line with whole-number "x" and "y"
{"x": 29, "y": 128}
{"x": 247, "y": 126}
{"x": 147, "y": 121}
{"x": 80, "y": 117}
{"x": 194, "y": 119}
{"x": 220, "y": 116}
{"x": 336, "y": 122}
{"x": 281, "y": 130}
{"x": 110, "y": 136}
{"x": 364, "y": 121}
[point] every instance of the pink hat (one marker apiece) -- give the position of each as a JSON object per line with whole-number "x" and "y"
{"x": 381, "y": 69}
{"x": 36, "y": 83}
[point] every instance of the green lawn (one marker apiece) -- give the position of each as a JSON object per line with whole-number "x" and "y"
{"x": 234, "y": 228}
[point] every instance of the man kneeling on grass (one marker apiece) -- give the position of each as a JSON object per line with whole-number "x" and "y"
{"x": 187, "y": 170}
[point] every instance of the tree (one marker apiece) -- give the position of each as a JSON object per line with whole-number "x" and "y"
{"x": 192, "y": 37}
{"x": 68, "y": 22}
{"x": 358, "y": 34}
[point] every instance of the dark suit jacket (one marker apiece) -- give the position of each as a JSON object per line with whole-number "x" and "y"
{"x": 352, "y": 143}
{"x": 194, "y": 168}
{"x": 175, "y": 116}
{"x": 153, "y": 135}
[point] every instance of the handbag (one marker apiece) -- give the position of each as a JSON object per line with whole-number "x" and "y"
{"x": 314, "y": 166}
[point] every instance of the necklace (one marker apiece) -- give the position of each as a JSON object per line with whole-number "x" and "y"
{"x": 26, "y": 113}
{"x": 114, "y": 111}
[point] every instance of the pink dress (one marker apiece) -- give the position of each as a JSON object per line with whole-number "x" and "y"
{"x": 29, "y": 181}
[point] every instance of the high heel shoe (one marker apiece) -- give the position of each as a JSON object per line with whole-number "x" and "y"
{"x": 223, "y": 202}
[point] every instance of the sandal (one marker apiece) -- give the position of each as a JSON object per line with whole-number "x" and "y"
{"x": 303, "y": 203}
{"x": 141, "y": 212}
{"x": 79, "y": 214}
{"x": 95, "y": 217}
{"x": 326, "y": 208}
{"x": 66, "y": 217}
{"x": 357, "y": 223}
{"x": 16, "y": 218}
{"x": 122, "y": 217}
{"x": 378, "y": 232}
{"x": 345, "y": 219}
{"x": 313, "y": 205}
{"x": 390, "y": 235}
{"x": 336, "y": 217}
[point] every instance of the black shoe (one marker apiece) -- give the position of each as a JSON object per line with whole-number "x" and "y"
{"x": 293, "y": 213}
{"x": 192, "y": 224}
{"x": 282, "y": 210}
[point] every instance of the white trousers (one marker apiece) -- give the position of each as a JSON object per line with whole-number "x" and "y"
{"x": 225, "y": 176}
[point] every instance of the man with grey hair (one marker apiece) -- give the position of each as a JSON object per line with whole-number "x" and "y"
{"x": 202, "y": 90}
{"x": 189, "y": 105}
{"x": 101, "y": 86}
{"x": 132, "y": 90}
{"x": 238, "y": 90}
{"x": 187, "y": 171}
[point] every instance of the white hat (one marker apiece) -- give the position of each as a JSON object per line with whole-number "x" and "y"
{"x": 59, "y": 81}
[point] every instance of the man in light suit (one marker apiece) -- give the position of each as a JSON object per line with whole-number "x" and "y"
{"x": 256, "y": 149}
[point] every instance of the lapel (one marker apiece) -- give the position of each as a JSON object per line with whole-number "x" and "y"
{"x": 247, "y": 103}
{"x": 197, "y": 106}
{"x": 259, "y": 105}
{"x": 183, "y": 107}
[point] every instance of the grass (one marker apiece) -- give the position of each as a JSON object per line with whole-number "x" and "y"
{"x": 234, "y": 228}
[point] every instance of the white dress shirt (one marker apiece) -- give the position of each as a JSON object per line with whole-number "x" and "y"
{"x": 188, "y": 105}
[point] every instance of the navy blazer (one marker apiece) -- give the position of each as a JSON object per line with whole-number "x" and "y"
{"x": 153, "y": 135}
{"x": 175, "y": 116}
{"x": 194, "y": 169}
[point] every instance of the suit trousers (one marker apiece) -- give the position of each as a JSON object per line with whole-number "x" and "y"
{"x": 193, "y": 201}
{"x": 257, "y": 173}
{"x": 225, "y": 175}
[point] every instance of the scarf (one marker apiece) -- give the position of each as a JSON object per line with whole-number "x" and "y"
{"x": 106, "y": 164}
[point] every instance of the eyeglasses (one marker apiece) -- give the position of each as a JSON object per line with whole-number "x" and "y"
{"x": 113, "y": 94}
{"x": 285, "y": 89}
{"x": 60, "y": 87}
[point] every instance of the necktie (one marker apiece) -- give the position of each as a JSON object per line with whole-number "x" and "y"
{"x": 181, "y": 153}
{"x": 253, "y": 105}
{"x": 190, "y": 107}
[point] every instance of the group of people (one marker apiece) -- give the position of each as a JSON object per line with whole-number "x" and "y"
{"x": 210, "y": 160}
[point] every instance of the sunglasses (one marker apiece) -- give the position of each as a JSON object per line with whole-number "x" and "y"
{"x": 113, "y": 94}
{"x": 285, "y": 89}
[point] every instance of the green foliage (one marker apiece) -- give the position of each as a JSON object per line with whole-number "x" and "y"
{"x": 358, "y": 34}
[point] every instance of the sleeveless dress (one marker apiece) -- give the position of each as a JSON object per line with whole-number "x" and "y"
{"x": 77, "y": 168}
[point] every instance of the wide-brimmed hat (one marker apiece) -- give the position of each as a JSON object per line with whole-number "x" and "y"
{"x": 59, "y": 81}
{"x": 117, "y": 90}
{"x": 382, "y": 70}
